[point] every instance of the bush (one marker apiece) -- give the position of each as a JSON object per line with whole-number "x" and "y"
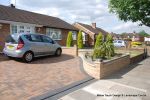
{"x": 99, "y": 40}
{"x": 69, "y": 42}
{"x": 99, "y": 52}
{"x": 106, "y": 49}
{"x": 109, "y": 38}
{"x": 110, "y": 45}
{"x": 80, "y": 40}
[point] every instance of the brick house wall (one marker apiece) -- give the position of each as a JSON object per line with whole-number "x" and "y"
{"x": 64, "y": 37}
{"x": 91, "y": 39}
{"x": 40, "y": 30}
{"x": 4, "y": 31}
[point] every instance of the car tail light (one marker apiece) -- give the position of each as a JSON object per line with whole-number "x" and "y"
{"x": 20, "y": 44}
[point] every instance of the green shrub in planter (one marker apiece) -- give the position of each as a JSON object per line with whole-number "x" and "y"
{"x": 99, "y": 52}
{"x": 109, "y": 49}
{"x": 110, "y": 46}
{"x": 69, "y": 42}
{"x": 106, "y": 49}
{"x": 99, "y": 40}
{"x": 80, "y": 40}
{"x": 109, "y": 38}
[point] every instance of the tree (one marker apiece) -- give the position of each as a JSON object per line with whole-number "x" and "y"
{"x": 80, "y": 40}
{"x": 143, "y": 34}
{"x": 131, "y": 10}
{"x": 99, "y": 40}
{"x": 69, "y": 42}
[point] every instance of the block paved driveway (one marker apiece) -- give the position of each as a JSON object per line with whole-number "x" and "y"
{"x": 21, "y": 81}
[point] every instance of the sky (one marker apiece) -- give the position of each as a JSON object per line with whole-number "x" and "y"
{"x": 83, "y": 11}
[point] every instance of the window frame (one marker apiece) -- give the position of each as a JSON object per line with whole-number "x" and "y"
{"x": 74, "y": 35}
{"x": 21, "y": 28}
{"x": 14, "y": 28}
{"x": 50, "y": 32}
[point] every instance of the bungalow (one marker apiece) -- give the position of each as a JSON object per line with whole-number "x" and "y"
{"x": 116, "y": 36}
{"x": 132, "y": 36}
{"x": 89, "y": 32}
{"x": 13, "y": 20}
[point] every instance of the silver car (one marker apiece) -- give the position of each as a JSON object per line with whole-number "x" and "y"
{"x": 119, "y": 43}
{"x": 28, "y": 46}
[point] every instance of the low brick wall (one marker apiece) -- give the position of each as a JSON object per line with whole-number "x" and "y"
{"x": 137, "y": 58}
{"x": 92, "y": 69}
{"x": 99, "y": 70}
{"x": 70, "y": 50}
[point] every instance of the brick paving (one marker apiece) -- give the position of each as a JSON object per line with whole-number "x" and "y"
{"x": 21, "y": 81}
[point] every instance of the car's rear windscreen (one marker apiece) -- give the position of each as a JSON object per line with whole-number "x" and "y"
{"x": 11, "y": 39}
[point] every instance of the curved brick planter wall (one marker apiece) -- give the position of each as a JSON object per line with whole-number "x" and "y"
{"x": 99, "y": 70}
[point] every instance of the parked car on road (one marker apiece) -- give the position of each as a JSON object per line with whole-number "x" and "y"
{"x": 119, "y": 43}
{"x": 136, "y": 43}
{"x": 28, "y": 46}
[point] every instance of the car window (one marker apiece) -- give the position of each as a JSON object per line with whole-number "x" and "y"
{"x": 119, "y": 41}
{"x": 11, "y": 39}
{"x": 28, "y": 37}
{"x": 36, "y": 38}
{"x": 47, "y": 39}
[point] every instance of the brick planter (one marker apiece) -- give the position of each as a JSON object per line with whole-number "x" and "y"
{"x": 137, "y": 58}
{"x": 99, "y": 70}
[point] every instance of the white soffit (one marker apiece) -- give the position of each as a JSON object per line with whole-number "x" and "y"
{"x": 12, "y": 22}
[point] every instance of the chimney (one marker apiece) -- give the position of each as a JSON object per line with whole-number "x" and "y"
{"x": 94, "y": 25}
{"x": 12, "y": 5}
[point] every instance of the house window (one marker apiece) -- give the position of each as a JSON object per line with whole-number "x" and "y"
{"x": 74, "y": 35}
{"x": 28, "y": 28}
{"x": 14, "y": 29}
{"x": 84, "y": 36}
{"x": 22, "y": 29}
{"x": 54, "y": 33}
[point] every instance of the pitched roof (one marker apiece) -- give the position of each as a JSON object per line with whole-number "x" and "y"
{"x": 115, "y": 34}
{"x": 18, "y": 15}
{"x": 94, "y": 30}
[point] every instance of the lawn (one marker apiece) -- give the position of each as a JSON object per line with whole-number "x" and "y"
{"x": 132, "y": 53}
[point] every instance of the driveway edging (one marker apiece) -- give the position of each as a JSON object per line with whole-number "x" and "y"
{"x": 61, "y": 90}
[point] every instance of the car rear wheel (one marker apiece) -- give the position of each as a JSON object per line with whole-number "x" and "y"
{"x": 58, "y": 52}
{"x": 28, "y": 57}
